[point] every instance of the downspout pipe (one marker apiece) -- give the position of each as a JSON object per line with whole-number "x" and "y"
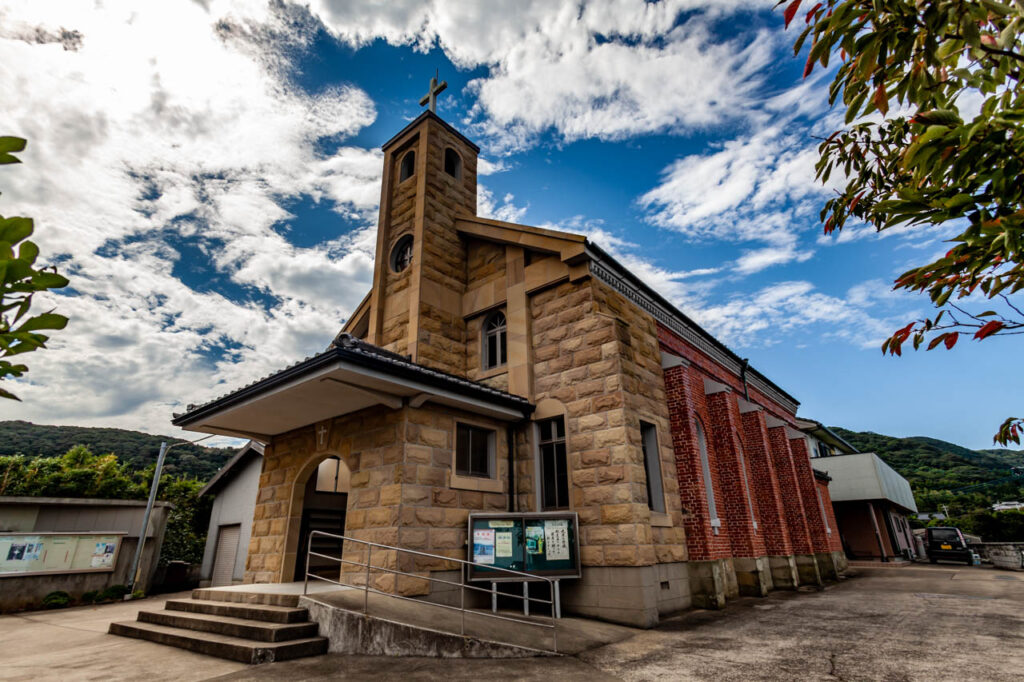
{"x": 745, "y": 364}
{"x": 510, "y": 436}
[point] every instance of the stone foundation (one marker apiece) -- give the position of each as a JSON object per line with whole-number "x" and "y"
{"x": 807, "y": 569}
{"x": 784, "y": 572}
{"x": 753, "y": 575}
{"x": 712, "y": 583}
{"x": 827, "y": 568}
{"x": 631, "y": 595}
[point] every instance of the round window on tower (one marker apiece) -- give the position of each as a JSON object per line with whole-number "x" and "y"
{"x": 401, "y": 255}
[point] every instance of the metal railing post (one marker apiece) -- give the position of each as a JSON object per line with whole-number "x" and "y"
{"x": 366, "y": 585}
{"x": 462, "y": 603}
{"x": 305, "y": 578}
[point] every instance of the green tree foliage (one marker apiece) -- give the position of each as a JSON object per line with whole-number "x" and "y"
{"x": 135, "y": 449}
{"x": 20, "y": 279}
{"x": 1005, "y": 526}
{"x": 80, "y": 473}
{"x": 932, "y": 161}
{"x": 942, "y": 473}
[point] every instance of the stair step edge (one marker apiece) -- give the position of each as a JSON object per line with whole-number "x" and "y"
{"x": 262, "y": 612}
{"x": 221, "y": 646}
{"x": 254, "y": 629}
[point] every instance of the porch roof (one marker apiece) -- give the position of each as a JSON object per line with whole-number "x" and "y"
{"x": 349, "y": 376}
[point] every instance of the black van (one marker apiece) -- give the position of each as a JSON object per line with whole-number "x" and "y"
{"x": 947, "y": 544}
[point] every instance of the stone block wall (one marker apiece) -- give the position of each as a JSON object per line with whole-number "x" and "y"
{"x": 440, "y": 330}
{"x": 584, "y": 360}
{"x": 400, "y": 493}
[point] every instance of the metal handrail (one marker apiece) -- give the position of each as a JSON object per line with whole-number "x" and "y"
{"x": 461, "y": 585}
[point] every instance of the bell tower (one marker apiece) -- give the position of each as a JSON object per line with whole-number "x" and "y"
{"x": 419, "y": 278}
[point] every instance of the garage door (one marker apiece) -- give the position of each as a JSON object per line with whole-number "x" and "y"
{"x": 224, "y": 558}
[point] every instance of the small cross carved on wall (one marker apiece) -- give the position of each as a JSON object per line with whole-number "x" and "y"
{"x": 321, "y": 436}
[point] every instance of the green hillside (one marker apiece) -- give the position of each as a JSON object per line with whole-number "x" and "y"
{"x": 936, "y": 468}
{"x": 135, "y": 448}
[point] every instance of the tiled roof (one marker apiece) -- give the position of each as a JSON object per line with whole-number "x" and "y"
{"x": 347, "y": 347}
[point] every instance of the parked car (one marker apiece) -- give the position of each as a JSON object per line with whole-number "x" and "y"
{"x": 947, "y": 544}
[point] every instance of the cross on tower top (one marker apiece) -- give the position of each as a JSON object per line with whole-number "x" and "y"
{"x": 431, "y": 96}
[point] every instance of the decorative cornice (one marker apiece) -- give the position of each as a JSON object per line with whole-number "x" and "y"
{"x": 604, "y": 268}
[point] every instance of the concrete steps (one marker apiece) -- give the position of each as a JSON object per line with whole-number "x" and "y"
{"x": 240, "y": 628}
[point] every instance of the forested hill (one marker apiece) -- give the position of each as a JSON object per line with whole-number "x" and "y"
{"x": 929, "y": 463}
{"x": 137, "y": 449}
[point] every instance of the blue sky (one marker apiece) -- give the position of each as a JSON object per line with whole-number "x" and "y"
{"x": 207, "y": 173}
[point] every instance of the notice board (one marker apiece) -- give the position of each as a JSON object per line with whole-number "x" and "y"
{"x": 542, "y": 544}
{"x": 40, "y": 553}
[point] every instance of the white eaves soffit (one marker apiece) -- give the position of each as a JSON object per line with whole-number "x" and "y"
{"x": 335, "y": 390}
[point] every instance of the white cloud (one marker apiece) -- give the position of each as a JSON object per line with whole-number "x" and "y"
{"x": 606, "y": 69}
{"x": 157, "y": 139}
{"x": 488, "y": 207}
{"x": 780, "y": 309}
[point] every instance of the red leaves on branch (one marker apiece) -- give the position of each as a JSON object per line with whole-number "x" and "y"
{"x": 951, "y": 340}
{"x": 791, "y": 11}
{"x": 810, "y": 14}
{"x": 809, "y": 66}
{"x": 989, "y": 328}
{"x": 881, "y": 99}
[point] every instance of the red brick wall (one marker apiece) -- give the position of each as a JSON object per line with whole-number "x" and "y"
{"x": 766, "y": 484}
{"x": 808, "y": 486}
{"x": 835, "y": 543}
{"x": 735, "y": 506}
{"x": 782, "y": 457}
{"x": 684, "y": 388}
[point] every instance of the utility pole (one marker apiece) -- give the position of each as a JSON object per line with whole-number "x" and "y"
{"x": 145, "y": 519}
{"x": 164, "y": 448}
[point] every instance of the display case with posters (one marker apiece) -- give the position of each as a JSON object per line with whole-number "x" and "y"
{"x": 544, "y": 544}
{"x": 23, "y": 554}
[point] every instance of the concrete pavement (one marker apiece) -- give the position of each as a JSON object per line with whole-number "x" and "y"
{"x": 73, "y": 644}
{"x": 919, "y": 623}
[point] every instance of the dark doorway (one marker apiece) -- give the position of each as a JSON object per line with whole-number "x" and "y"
{"x": 324, "y": 503}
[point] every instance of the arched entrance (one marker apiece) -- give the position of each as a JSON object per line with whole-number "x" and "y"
{"x": 324, "y": 502}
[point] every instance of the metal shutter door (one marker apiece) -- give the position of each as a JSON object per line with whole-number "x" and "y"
{"x": 224, "y": 558}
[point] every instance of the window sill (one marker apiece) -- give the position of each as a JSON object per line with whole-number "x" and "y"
{"x": 492, "y": 372}
{"x": 478, "y": 483}
{"x": 661, "y": 520}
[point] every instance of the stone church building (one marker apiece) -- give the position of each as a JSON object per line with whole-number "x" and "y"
{"x": 502, "y": 367}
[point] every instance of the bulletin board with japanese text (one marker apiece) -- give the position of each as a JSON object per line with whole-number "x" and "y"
{"x": 542, "y": 544}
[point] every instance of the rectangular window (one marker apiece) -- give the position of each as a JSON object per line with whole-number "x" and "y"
{"x": 474, "y": 451}
{"x": 553, "y": 465}
{"x": 652, "y": 467}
